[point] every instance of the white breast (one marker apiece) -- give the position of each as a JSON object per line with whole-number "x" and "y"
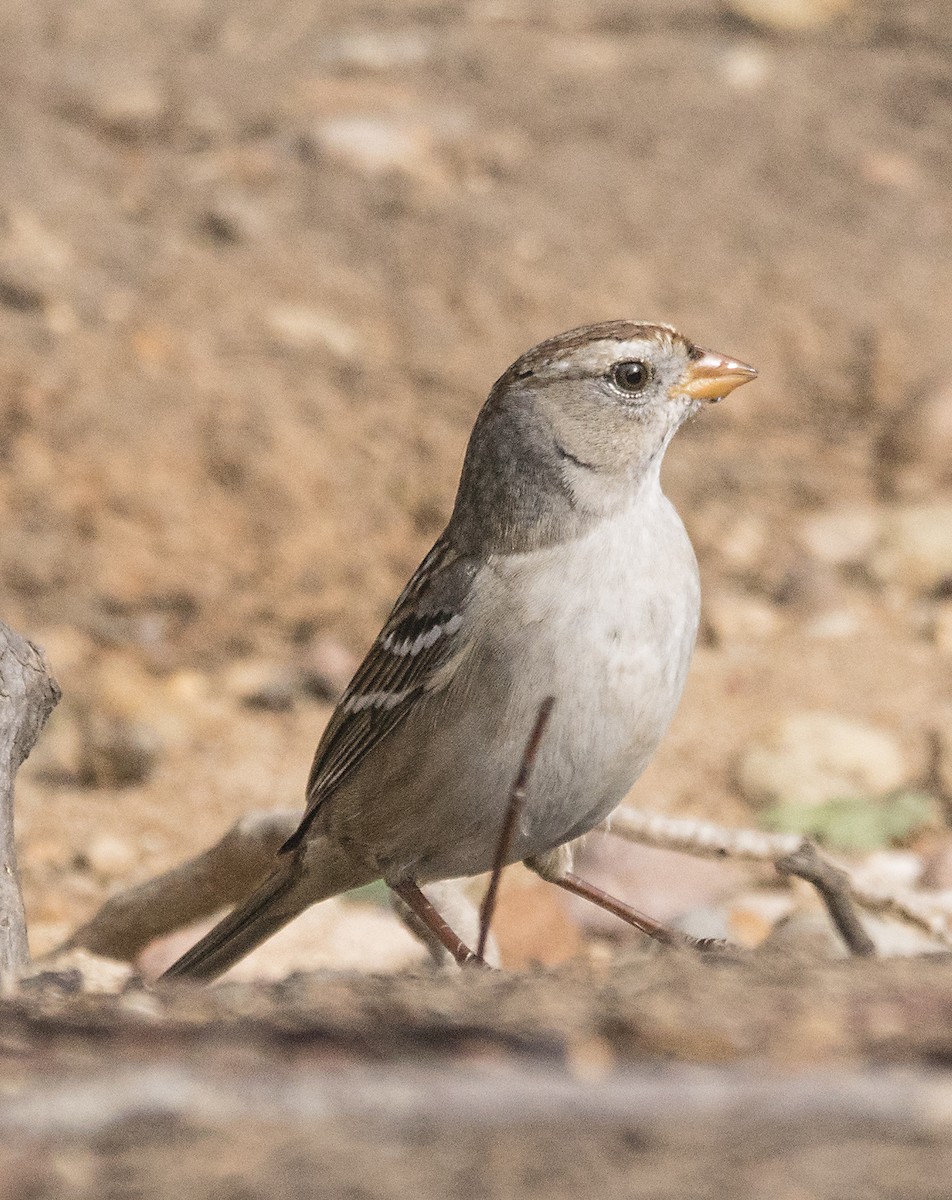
{"x": 606, "y": 624}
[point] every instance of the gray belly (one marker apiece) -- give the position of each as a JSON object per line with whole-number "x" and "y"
{"x": 430, "y": 802}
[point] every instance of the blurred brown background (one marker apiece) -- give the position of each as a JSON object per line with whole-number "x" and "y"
{"x": 259, "y": 266}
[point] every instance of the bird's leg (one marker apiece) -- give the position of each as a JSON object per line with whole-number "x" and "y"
{"x": 415, "y": 900}
{"x": 654, "y": 929}
{"x": 554, "y": 868}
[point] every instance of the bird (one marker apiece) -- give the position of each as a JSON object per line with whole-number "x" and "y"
{"x": 564, "y": 571}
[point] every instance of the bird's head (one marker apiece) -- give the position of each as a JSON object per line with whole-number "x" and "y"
{"x": 581, "y": 421}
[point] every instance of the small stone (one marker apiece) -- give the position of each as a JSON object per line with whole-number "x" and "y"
{"x": 745, "y": 68}
{"x": 752, "y": 916}
{"x": 843, "y": 622}
{"x": 261, "y": 684}
{"x": 914, "y": 550}
{"x": 841, "y": 536}
{"x": 942, "y": 627}
{"x": 733, "y": 617}
{"x": 232, "y": 217}
{"x": 300, "y": 328}
{"x": 789, "y": 16}
{"x": 943, "y": 742}
{"x": 57, "y": 754}
{"x": 809, "y": 930}
{"x": 130, "y": 109}
{"x": 813, "y": 757}
{"x": 374, "y": 144}
{"x": 115, "y": 752}
{"x": 79, "y": 971}
{"x": 110, "y": 857}
{"x": 327, "y": 669}
{"x": 742, "y": 545}
{"x": 890, "y": 170}
{"x": 368, "y": 50}
{"x": 409, "y": 145}
{"x": 937, "y": 869}
{"x": 889, "y": 870}
{"x": 914, "y": 455}
{"x": 20, "y": 291}
{"x": 67, "y": 648}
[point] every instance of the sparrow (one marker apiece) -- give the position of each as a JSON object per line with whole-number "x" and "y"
{"x": 564, "y": 572}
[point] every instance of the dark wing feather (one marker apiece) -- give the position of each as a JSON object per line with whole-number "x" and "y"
{"x": 420, "y": 636}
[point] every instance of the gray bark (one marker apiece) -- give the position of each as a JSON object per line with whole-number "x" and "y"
{"x": 28, "y": 694}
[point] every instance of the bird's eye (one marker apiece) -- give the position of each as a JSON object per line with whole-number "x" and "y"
{"x": 631, "y": 376}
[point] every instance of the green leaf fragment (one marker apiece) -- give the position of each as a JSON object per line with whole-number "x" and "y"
{"x": 860, "y": 823}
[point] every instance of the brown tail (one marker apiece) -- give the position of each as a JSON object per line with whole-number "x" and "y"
{"x": 298, "y": 881}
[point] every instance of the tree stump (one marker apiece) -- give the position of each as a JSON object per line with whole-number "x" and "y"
{"x": 28, "y": 694}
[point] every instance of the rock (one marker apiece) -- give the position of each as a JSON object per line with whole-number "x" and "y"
{"x": 812, "y": 757}
{"x": 809, "y": 930}
{"x": 753, "y": 915}
{"x": 914, "y": 455}
{"x": 936, "y": 873}
{"x": 899, "y": 939}
{"x": 789, "y": 16}
{"x": 742, "y": 544}
{"x": 376, "y": 145}
{"x": 735, "y": 617}
{"x": 370, "y": 50}
{"x": 408, "y": 145}
{"x": 261, "y": 684}
{"x": 68, "y": 649}
{"x": 745, "y": 68}
{"x": 942, "y": 627}
{"x": 842, "y": 537}
{"x": 128, "y": 108}
{"x": 78, "y": 971}
{"x": 20, "y": 290}
{"x": 232, "y": 217}
{"x": 57, "y": 755}
{"x": 843, "y": 622}
{"x": 327, "y": 668}
{"x": 914, "y": 549}
{"x": 943, "y": 742}
{"x": 889, "y": 870}
{"x": 115, "y": 752}
{"x": 110, "y": 857}
{"x": 103, "y": 734}
{"x": 297, "y": 327}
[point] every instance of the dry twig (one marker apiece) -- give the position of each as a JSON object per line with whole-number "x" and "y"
{"x": 220, "y": 876}
{"x": 226, "y": 872}
{"x": 516, "y": 796}
{"x": 704, "y": 839}
{"x": 833, "y": 884}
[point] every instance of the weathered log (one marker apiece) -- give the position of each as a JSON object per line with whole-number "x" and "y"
{"x": 28, "y": 694}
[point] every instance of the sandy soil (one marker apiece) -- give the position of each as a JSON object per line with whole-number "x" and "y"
{"x": 259, "y": 266}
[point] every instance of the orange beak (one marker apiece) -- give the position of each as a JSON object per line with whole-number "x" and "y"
{"x": 713, "y": 376}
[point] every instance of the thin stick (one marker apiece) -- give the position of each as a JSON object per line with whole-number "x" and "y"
{"x": 834, "y": 888}
{"x": 506, "y": 834}
{"x": 927, "y": 911}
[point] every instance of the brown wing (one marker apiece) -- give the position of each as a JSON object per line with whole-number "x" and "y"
{"x": 420, "y": 636}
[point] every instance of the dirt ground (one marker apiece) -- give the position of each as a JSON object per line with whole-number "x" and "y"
{"x": 259, "y": 266}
